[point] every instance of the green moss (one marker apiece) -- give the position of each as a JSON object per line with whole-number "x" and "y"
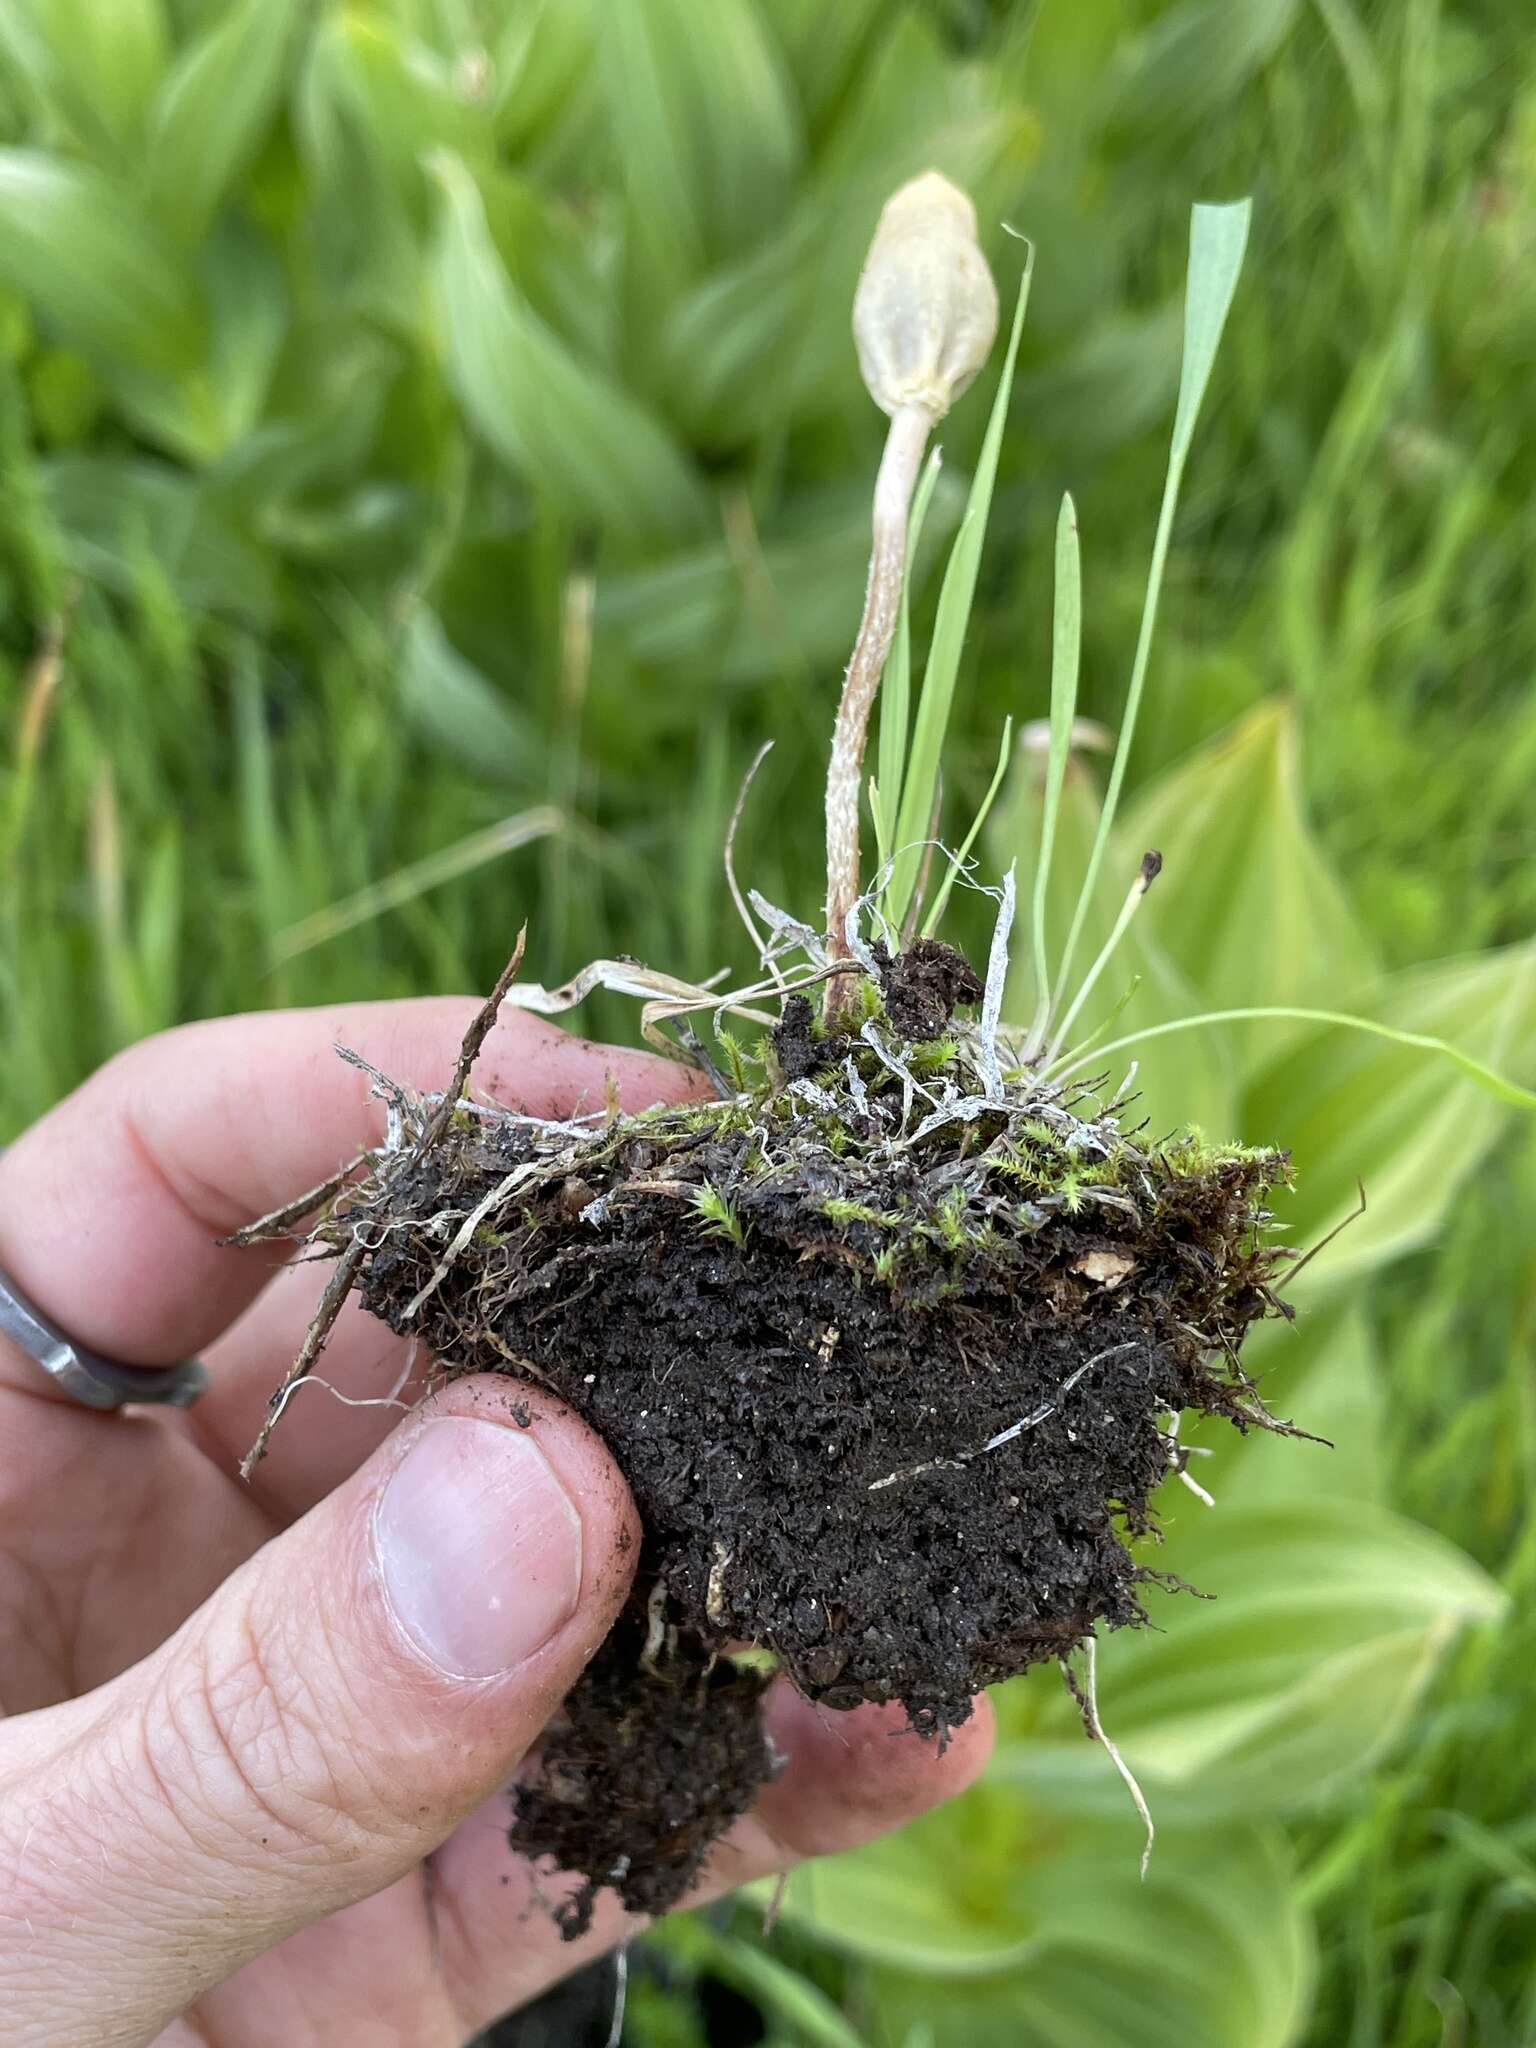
{"x": 933, "y": 1057}
{"x": 718, "y": 1215}
{"x": 837, "y": 1210}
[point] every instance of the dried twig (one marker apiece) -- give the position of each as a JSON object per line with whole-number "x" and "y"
{"x": 474, "y": 1038}
{"x": 337, "y": 1288}
{"x": 279, "y": 1222}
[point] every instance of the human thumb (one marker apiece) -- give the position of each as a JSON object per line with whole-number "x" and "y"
{"x": 324, "y": 1721}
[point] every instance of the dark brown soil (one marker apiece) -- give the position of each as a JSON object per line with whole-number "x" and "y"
{"x": 659, "y": 1780}
{"x": 888, "y": 1352}
{"x": 805, "y": 1415}
{"x": 923, "y": 984}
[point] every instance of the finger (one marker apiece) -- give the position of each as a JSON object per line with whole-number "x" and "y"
{"x": 848, "y": 1778}
{"x": 110, "y": 1207}
{"x": 343, "y": 1701}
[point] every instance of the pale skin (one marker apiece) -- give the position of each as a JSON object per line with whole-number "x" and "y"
{"x": 239, "y": 1803}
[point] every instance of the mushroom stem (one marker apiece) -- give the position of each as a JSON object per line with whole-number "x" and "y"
{"x": 904, "y": 445}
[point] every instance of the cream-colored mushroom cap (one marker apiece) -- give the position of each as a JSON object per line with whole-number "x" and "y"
{"x": 925, "y": 312}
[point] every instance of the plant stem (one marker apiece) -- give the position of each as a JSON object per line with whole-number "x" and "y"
{"x": 899, "y": 465}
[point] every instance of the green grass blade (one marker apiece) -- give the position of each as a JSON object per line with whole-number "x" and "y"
{"x": 895, "y": 699}
{"x": 566, "y": 425}
{"x": 1066, "y": 660}
{"x": 959, "y": 588}
{"x": 393, "y": 892}
{"x": 877, "y": 812}
{"x": 1218, "y": 236}
{"x": 1496, "y": 1084}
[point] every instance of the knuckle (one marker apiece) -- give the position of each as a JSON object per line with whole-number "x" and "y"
{"x": 246, "y": 1762}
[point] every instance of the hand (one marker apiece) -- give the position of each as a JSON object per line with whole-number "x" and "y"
{"x": 241, "y": 1719}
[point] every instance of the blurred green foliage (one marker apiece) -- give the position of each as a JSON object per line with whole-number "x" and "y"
{"x": 419, "y": 418}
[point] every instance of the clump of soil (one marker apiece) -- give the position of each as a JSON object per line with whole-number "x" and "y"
{"x": 889, "y": 1344}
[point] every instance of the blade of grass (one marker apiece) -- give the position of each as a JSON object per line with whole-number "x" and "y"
{"x": 895, "y": 699}
{"x": 1496, "y": 1084}
{"x": 1218, "y": 236}
{"x": 949, "y": 626}
{"x": 407, "y": 883}
{"x": 1066, "y": 659}
{"x": 881, "y": 823}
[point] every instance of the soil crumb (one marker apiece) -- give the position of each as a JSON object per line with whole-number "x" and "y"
{"x": 923, "y": 985}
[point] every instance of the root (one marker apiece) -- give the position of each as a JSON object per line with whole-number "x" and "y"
{"x": 1006, "y": 1436}
{"x": 1086, "y": 1695}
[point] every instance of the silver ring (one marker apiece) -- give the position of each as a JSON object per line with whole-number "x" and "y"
{"x": 92, "y": 1381}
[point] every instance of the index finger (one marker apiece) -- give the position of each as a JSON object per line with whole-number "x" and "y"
{"x": 110, "y": 1207}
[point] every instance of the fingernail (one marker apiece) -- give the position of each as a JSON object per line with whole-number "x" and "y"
{"x": 478, "y": 1545}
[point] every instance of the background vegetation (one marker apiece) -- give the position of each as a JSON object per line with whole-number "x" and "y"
{"x": 433, "y": 459}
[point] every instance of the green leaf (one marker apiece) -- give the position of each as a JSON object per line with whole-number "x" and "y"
{"x": 708, "y": 617}
{"x": 72, "y": 243}
{"x": 783, "y": 297}
{"x": 1066, "y": 656}
{"x": 451, "y": 703}
{"x": 371, "y": 106}
{"x": 701, "y": 117}
{"x": 1246, "y": 906}
{"x": 95, "y": 66}
{"x": 213, "y": 110}
{"x": 1211, "y": 1951}
{"x": 933, "y": 706}
{"x": 924, "y": 1898}
{"x": 115, "y": 511}
{"x": 689, "y": 1939}
{"x": 1327, "y": 1616}
{"x": 1218, "y": 236}
{"x": 568, "y": 429}
{"x": 248, "y": 323}
{"x": 541, "y": 63}
{"x": 825, "y": 47}
{"x": 1114, "y": 386}
{"x": 1196, "y": 59}
{"x": 1356, "y": 1109}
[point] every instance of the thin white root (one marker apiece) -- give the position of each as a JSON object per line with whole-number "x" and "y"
{"x": 1005, "y": 1436}
{"x": 620, "y": 1994}
{"x": 714, "y": 1597}
{"x": 655, "y": 1627}
{"x": 1179, "y": 1455}
{"x": 1088, "y": 1699}
{"x": 466, "y": 1231}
